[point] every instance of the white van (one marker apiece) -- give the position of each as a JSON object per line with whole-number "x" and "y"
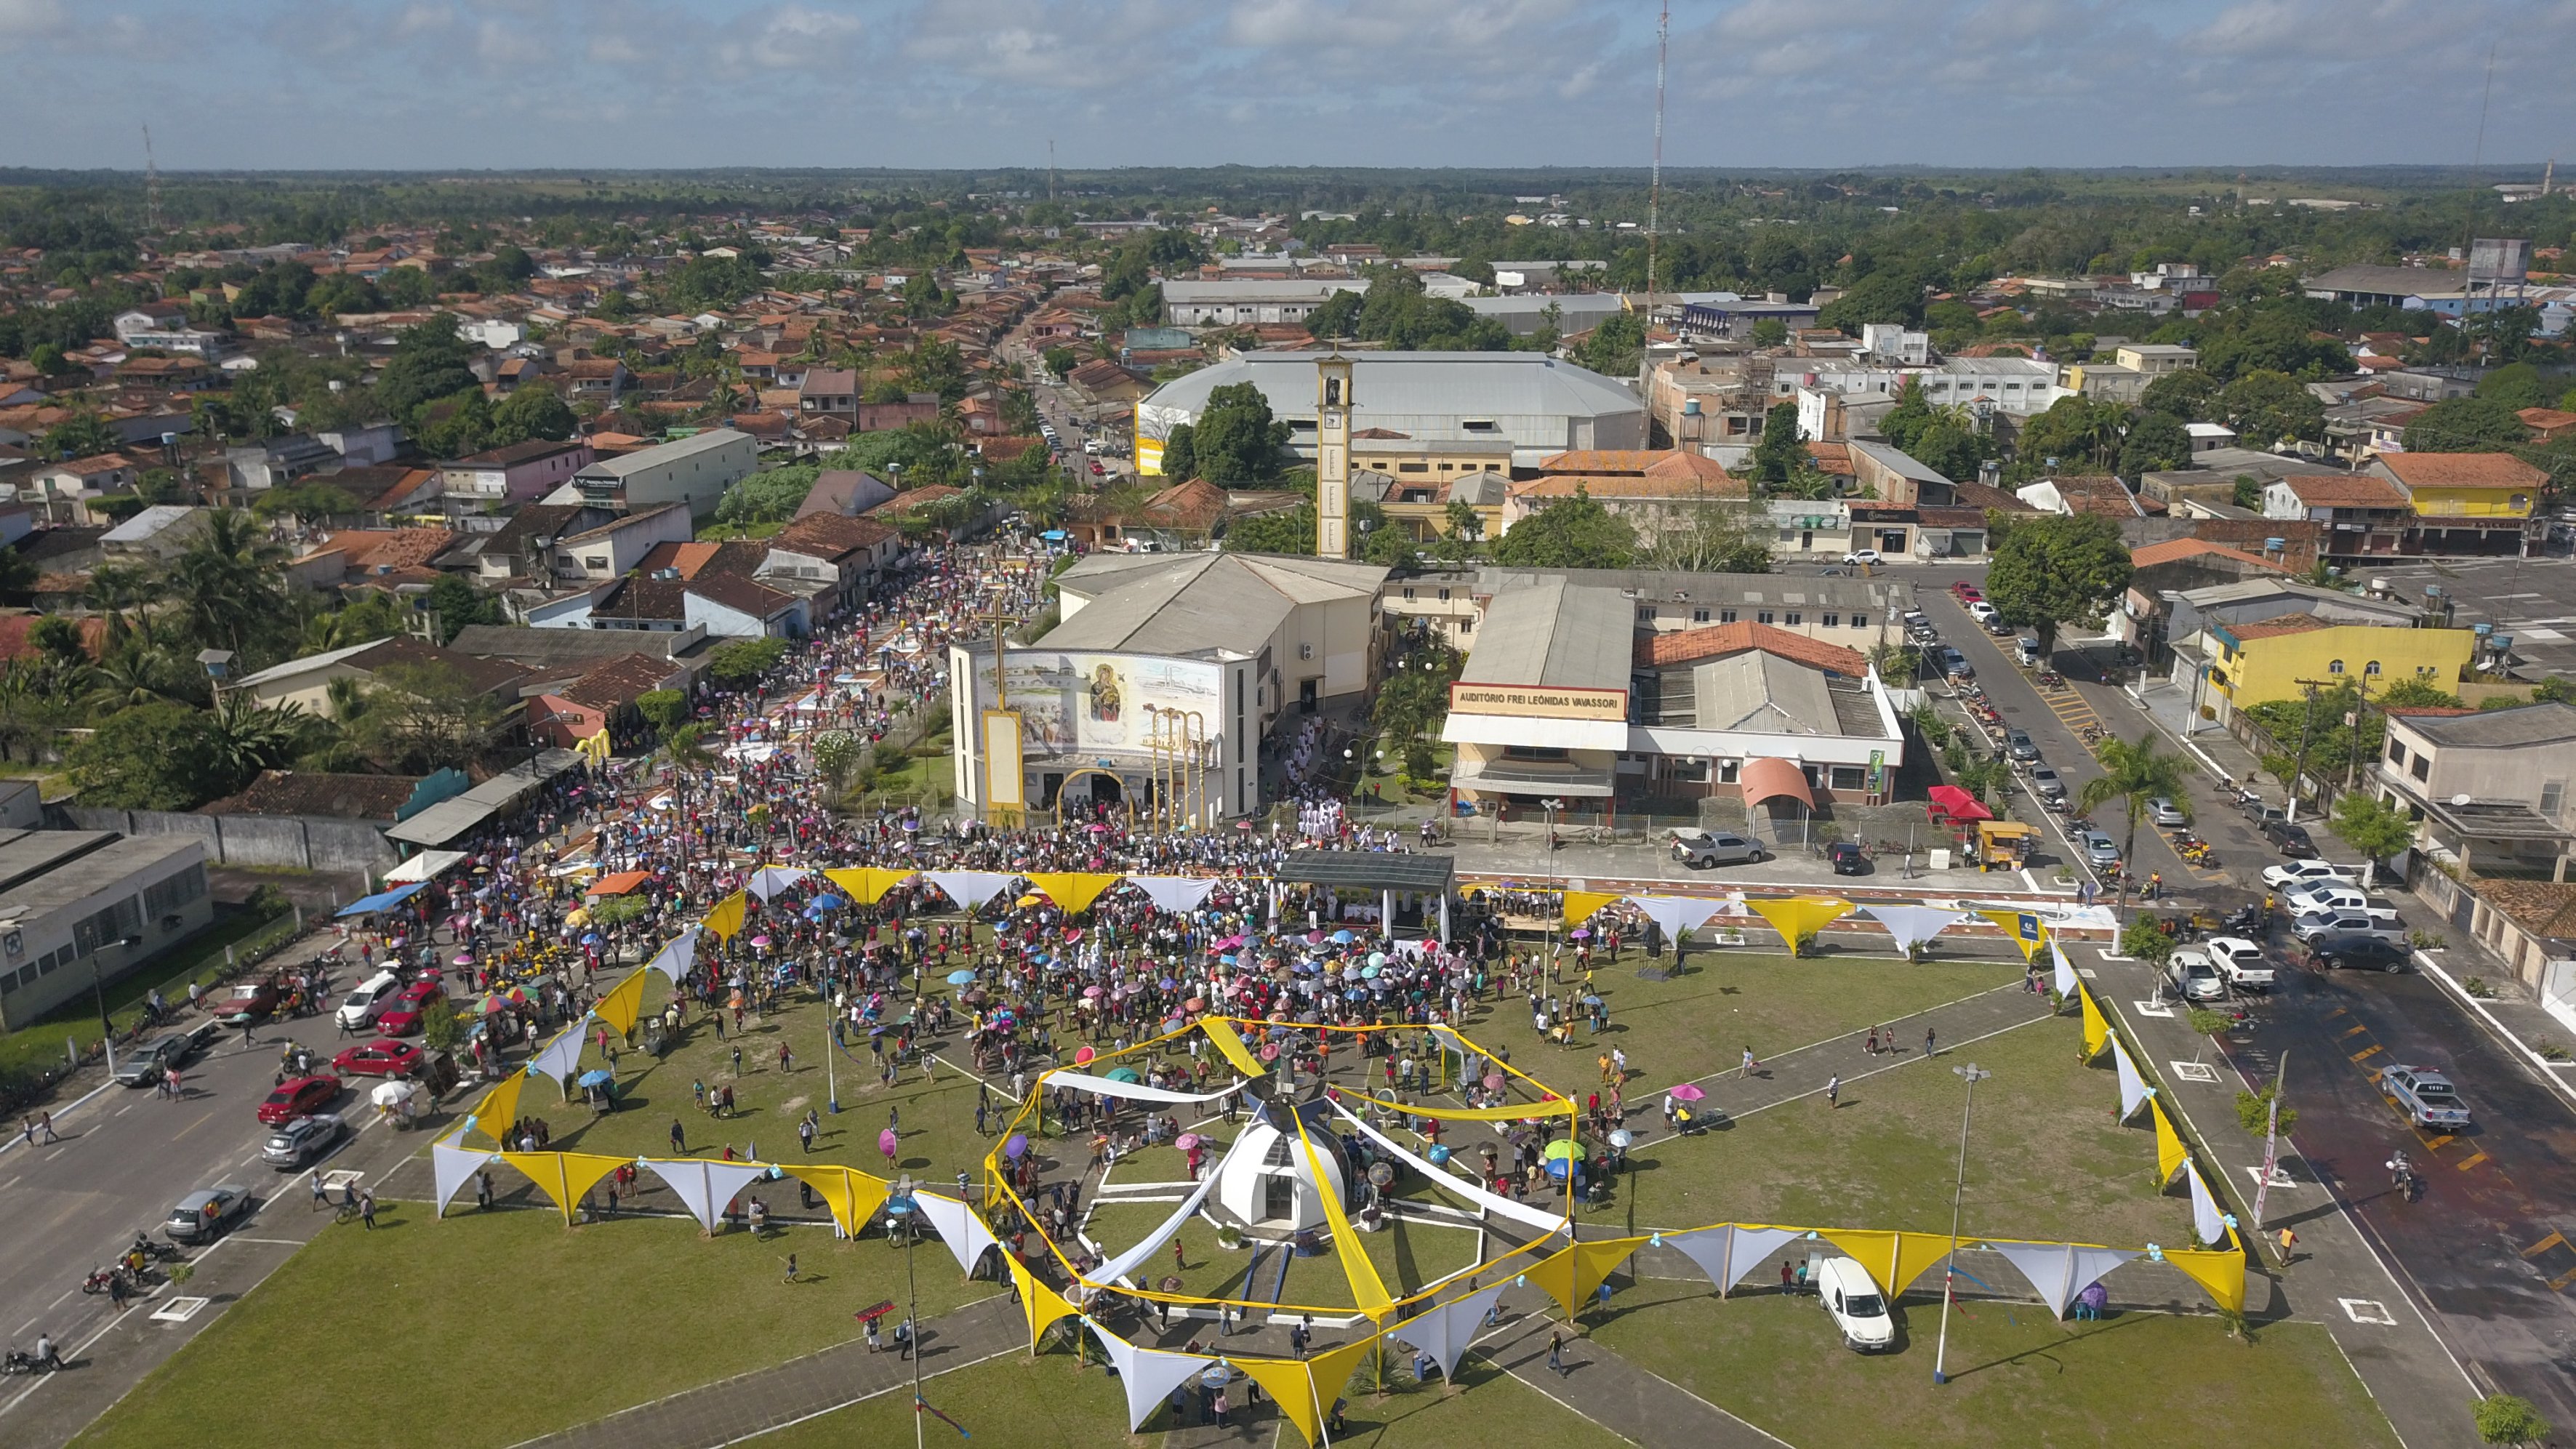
{"x": 2027, "y": 649}
{"x": 1856, "y": 1305}
{"x": 369, "y": 999}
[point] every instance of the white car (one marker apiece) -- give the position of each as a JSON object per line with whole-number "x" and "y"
{"x": 2241, "y": 962}
{"x": 2195, "y": 977}
{"x": 1861, "y": 556}
{"x": 2324, "y": 895}
{"x": 2298, "y": 872}
{"x": 1858, "y": 1309}
{"x": 1981, "y": 611}
{"x": 369, "y": 999}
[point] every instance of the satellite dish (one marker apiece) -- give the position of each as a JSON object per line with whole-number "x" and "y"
{"x": 2460, "y": 799}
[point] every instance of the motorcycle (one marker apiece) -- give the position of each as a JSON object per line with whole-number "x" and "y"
{"x": 2244, "y": 920}
{"x": 19, "y": 1361}
{"x": 2051, "y": 679}
{"x": 154, "y": 1251}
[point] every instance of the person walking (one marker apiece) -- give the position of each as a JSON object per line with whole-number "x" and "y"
{"x": 1556, "y": 1353}
{"x": 1834, "y": 1091}
{"x": 2289, "y": 1245}
{"x": 367, "y": 1210}
{"x": 47, "y": 1122}
{"x": 321, "y": 1194}
{"x": 679, "y": 1139}
{"x": 791, "y": 1267}
{"x": 1930, "y": 1043}
{"x": 1750, "y": 1065}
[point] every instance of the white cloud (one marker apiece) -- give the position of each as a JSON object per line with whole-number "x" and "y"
{"x": 29, "y": 19}
{"x": 793, "y": 37}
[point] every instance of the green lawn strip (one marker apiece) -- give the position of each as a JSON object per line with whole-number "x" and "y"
{"x": 579, "y": 1323}
{"x": 2045, "y": 1158}
{"x": 1775, "y": 1361}
{"x": 1213, "y": 1271}
{"x": 1015, "y": 1403}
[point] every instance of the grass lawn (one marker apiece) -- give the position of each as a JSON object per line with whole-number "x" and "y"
{"x": 2045, "y": 1159}
{"x": 1778, "y": 1363}
{"x": 584, "y": 1322}
{"x": 1012, "y": 1403}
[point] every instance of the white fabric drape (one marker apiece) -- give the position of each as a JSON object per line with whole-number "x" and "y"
{"x": 2061, "y": 1270}
{"x": 705, "y": 1187}
{"x": 1912, "y": 925}
{"x": 2065, "y": 971}
{"x": 1175, "y": 893}
{"x": 1746, "y": 1248}
{"x": 1706, "y": 1248}
{"x": 451, "y": 1168}
{"x": 1493, "y": 1203}
{"x": 970, "y": 889}
{"x": 959, "y": 1227}
{"x": 560, "y": 1056}
{"x": 2206, "y": 1219}
{"x": 2133, "y": 1088}
{"x": 428, "y": 865}
{"x": 769, "y": 880}
{"x": 1445, "y": 1332}
{"x": 1677, "y": 915}
{"x": 679, "y": 959}
{"x": 1127, "y": 1262}
{"x": 1147, "y": 1374}
{"x": 1134, "y": 1091}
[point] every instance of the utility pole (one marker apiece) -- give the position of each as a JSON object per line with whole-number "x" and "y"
{"x": 1971, "y": 1074}
{"x": 2271, "y": 1145}
{"x": 2299, "y": 765}
{"x": 1050, "y": 168}
{"x": 2361, "y": 706}
{"x": 151, "y": 184}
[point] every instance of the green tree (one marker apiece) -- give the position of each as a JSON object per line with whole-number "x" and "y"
{"x": 1952, "y": 450}
{"x": 457, "y": 602}
{"x": 663, "y": 709}
{"x": 2156, "y": 441}
{"x": 2132, "y": 774}
{"x": 82, "y": 435}
{"x": 2248, "y": 492}
{"x": 2375, "y": 829}
{"x": 1181, "y": 453}
{"x": 2186, "y": 395}
{"x": 1287, "y": 531}
{"x": 770, "y": 497}
{"x": 1236, "y": 440}
{"x": 2080, "y": 433}
{"x": 17, "y": 575}
{"x": 426, "y": 717}
{"x": 2517, "y": 385}
{"x": 1577, "y": 533}
{"x": 1339, "y": 316}
{"x": 2267, "y": 408}
{"x": 153, "y": 757}
{"x": 1881, "y": 297}
{"x": 1770, "y": 332}
{"x": 2417, "y": 694}
{"x": 2057, "y": 568}
{"x": 229, "y": 585}
{"x": 429, "y": 362}
{"x": 2147, "y": 939}
{"x": 1062, "y": 360}
{"x": 2466, "y": 425}
{"x": 1614, "y": 345}
{"x": 2504, "y": 1419}
{"x": 741, "y": 662}
{"x": 1779, "y": 451}
{"x": 534, "y": 411}
{"x": 1912, "y": 416}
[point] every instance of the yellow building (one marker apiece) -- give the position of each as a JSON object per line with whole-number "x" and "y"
{"x": 2260, "y": 661}
{"x": 2464, "y": 485}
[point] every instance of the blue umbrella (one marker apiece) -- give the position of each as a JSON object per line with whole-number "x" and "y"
{"x": 960, "y": 978}
{"x": 597, "y": 1077}
{"x": 1343, "y": 938}
{"x": 590, "y": 938}
{"x": 827, "y": 902}
{"x": 1368, "y": 973}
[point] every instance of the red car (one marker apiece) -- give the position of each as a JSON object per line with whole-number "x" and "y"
{"x": 403, "y": 1017}
{"x": 1098, "y": 471}
{"x": 1968, "y": 593}
{"x": 383, "y": 1058}
{"x": 299, "y": 1097}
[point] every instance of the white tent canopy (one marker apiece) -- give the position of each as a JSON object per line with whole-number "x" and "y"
{"x": 427, "y": 866}
{"x": 704, "y": 1187}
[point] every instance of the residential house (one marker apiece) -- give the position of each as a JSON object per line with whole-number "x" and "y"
{"x": 384, "y": 558}
{"x": 306, "y": 682}
{"x": 619, "y": 546}
{"x": 2250, "y": 663}
{"x": 1895, "y": 477}
{"x": 2548, "y": 425}
{"x": 602, "y": 698}
{"x": 276, "y": 463}
{"x": 2467, "y": 503}
{"x": 2488, "y": 788}
{"x": 523, "y": 549}
{"x": 2365, "y": 514}
{"x": 157, "y": 534}
{"x": 828, "y": 392}
{"x": 2106, "y": 497}
{"x": 602, "y": 380}
{"x": 507, "y": 476}
{"x": 2162, "y": 572}
{"x": 725, "y": 607}
{"x": 1653, "y": 489}
{"x": 832, "y": 560}
{"x": 845, "y": 493}
{"x": 60, "y": 492}
{"x": 694, "y": 470}
{"x": 1103, "y": 381}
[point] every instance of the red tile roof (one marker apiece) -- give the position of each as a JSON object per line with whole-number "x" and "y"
{"x": 2462, "y": 470}
{"x": 2335, "y": 490}
{"x": 2182, "y": 548}
{"x": 1689, "y": 646}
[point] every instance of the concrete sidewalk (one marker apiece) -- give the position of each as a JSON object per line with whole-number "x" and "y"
{"x": 1610, "y": 1391}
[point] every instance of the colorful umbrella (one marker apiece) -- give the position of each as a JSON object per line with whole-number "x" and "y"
{"x": 887, "y": 1142}
{"x": 1686, "y": 1093}
{"x": 961, "y": 978}
{"x": 1017, "y": 1147}
{"x": 1083, "y": 1056}
{"x": 595, "y": 1077}
{"x": 827, "y": 902}
{"x": 1124, "y": 1074}
{"x": 1187, "y": 1140}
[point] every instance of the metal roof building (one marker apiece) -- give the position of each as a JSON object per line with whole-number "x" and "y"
{"x": 1542, "y": 405}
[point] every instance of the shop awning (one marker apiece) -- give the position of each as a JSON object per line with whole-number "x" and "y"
{"x": 618, "y": 884}
{"x": 1958, "y": 804}
{"x": 381, "y": 900}
{"x": 1765, "y": 778}
{"x": 429, "y": 865}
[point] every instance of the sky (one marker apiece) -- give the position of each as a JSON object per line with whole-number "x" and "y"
{"x": 503, "y": 84}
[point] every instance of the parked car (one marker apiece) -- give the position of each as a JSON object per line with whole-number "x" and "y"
{"x": 1980, "y": 610}
{"x": 171, "y": 1049}
{"x": 1846, "y": 858}
{"x": 2296, "y": 872}
{"x": 383, "y": 1057}
{"x": 2425, "y": 1096}
{"x": 368, "y": 999}
{"x": 2047, "y": 784}
{"x": 299, "y": 1141}
{"x": 247, "y": 1004}
{"x": 2017, "y": 743}
{"x": 2319, "y": 896}
{"x": 1953, "y": 663}
{"x": 203, "y": 1215}
{"x": 2028, "y": 652}
{"x": 1967, "y": 593}
{"x": 2307, "y": 926}
{"x": 2357, "y": 951}
{"x": 1858, "y": 1309}
{"x": 2101, "y": 850}
{"x": 2242, "y": 962}
{"x": 2166, "y": 813}
{"x": 1861, "y": 556}
{"x": 1915, "y": 619}
{"x": 298, "y": 1096}
{"x": 2194, "y": 977}
{"x": 2292, "y": 839}
{"x": 1700, "y": 849}
{"x": 402, "y": 1018}
{"x": 2262, "y": 814}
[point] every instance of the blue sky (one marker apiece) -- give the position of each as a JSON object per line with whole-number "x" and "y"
{"x": 639, "y": 83}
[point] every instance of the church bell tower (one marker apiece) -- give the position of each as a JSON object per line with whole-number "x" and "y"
{"x": 1333, "y": 402}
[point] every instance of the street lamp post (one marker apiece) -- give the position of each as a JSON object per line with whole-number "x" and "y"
{"x": 1971, "y": 1074}
{"x": 1547, "y": 856}
{"x": 901, "y": 1207}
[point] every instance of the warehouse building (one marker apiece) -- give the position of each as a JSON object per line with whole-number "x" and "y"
{"x": 84, "y": 905}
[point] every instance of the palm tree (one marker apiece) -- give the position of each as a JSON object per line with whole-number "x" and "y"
{"x": 228, "y": 582}
{"x": 2134, "y": 775}
{"x": 253, "y": 737}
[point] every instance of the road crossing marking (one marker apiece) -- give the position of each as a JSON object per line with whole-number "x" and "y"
{"x": 2470, "y": 1162}
{"x": 2369, "y": 1051}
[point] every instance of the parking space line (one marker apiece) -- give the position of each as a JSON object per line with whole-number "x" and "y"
{"x": 2369, "y": 1051}
{"x": 2468, "y": 1163}
{"x": 2554, "y": 1240}
{"x": 2356, "y": 1031}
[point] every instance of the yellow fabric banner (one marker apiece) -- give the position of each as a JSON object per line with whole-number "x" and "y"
{"x": 1553, "y": 1275}
{"x": 1305, "y": 1388}
{"x": 1073, "y": 891}
{"x": 1594, "y": 1261}
{"x": 2220, "y": 1271}
{"x": 726, "y": 919}
{"x": 1515, "y": 1113}
{"x": 620, "y": 1007}
{"x": 2170, "y": 1153}
{"x": 499, "y": 1108}
{"x": 1232, "y": 1047}
{"x": 1581, "y": 906}
{"x": 1040, "y": 1303}
{"x": 2097, "y": 1028}
{"x": 1800, "y": 917}
{"x": 564, "y": 1176}
{"x": 1916, "y": 1253}
{"x": 1875, "y": 1249}
{"x": 1368, "y": 1290}
{"x": 867, "y": 885}
{"x": 853, "y": 1196}
{"x": 2023, "y": 927}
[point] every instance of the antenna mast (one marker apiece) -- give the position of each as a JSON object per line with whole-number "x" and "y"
{"x": 1050, "y": 168}
{"x": 1655, "y": 187}
{"x": 151, "y": 183}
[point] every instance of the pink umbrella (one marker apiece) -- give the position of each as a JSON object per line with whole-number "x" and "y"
{"x": 1686, "y": 1093}
{"x": 886, "y": 1142}
{"x": 1093, "y": 992}
{"x": 1493, "y": 1081}
{"x": 1187, "y": 1140}
{"x": 1083, "y": 1057}
{"x": 464, "y": 958}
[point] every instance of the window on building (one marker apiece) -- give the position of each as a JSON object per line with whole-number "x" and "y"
{"x": 1444, "y": 596}
{"x": 1795, "y": 619}
{"x": 1408, "y": 594}
{"x": 1833, "y": 621}
{"x": 1727, "y": 771}
{"x": 1762, "y": 616}
{"x": 2334, "y": 666}
{"x": 1467, "y": 625}
{"x": 1850, "y": 777}
{"x": 1533, "y": 752}
{"x": 1699, "y": 616}
{"x": 2396, "y": 752}
{"x": 2423, "y": 769}
{"x": 1726, "y": 616}
{"x": 1860, "y": 621}
{"x": 1693, "y": 770}
{"x": 2552, "y": 796}
{"x": 2371, "y": 670}
{"x": 2424, "y": 671}
{"x": 1413, "y": 467}
{"x": 1645, "y": 613}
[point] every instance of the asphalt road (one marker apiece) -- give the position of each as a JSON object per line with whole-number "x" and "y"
{"x": 2484, "y": 1248}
